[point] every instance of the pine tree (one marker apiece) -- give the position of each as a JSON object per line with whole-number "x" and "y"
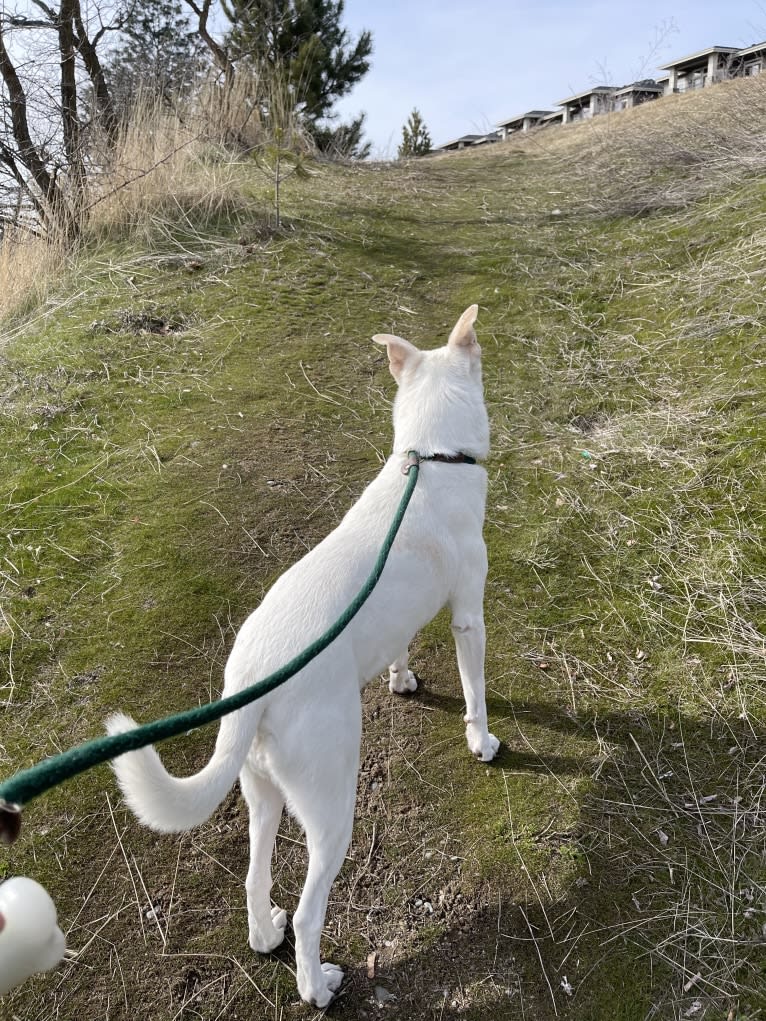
{"x": 159, "y": 53}
{"x": 415, "y": 138}
{"x": 343, "y": 141}
{"x": 303, "y": 40}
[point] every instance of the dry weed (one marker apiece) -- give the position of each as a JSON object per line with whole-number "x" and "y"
{"x": 29, "y": 266}
{"x": 176, "y": 167}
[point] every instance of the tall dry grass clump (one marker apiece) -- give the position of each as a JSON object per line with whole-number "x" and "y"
{"x": 29, "y": 265}
{"x": 187, "y": 161}
{"x": 159, "y": 165}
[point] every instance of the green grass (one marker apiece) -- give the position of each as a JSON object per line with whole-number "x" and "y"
{"x": 155, "y": 484}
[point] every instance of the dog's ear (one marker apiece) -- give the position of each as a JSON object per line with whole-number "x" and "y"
{"x": 463, "y": 334}
{"x": 400, "y": 353}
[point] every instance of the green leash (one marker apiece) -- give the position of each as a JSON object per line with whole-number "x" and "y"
{"x": 29, "y": 783}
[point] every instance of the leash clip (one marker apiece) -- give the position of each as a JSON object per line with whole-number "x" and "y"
{"x": 10, "y": 821}
{"x": 413, "y": 460}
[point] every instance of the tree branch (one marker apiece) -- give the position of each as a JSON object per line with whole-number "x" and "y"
{"x": 87, "y": 50}
{"x": 8, "y": 159}
{"x": 49, "y": 12}
{"x": 69, "y": 120}
{"x": 220, "y": 56}
{"x": 18, "y": 108}
{"x": 19, "y": 21}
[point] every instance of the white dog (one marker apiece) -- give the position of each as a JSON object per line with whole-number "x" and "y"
{"x": 299, "y": 745}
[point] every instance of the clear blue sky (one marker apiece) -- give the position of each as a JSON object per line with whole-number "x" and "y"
{"x": 467, "y": 65}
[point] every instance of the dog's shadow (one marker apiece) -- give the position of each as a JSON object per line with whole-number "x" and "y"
{"x": 500, "y": 711}
{"x": 511, "y": 956}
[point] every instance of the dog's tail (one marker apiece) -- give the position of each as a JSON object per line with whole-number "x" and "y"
{"x": 171, "y": 804}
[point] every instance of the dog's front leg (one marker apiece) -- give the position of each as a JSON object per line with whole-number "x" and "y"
{"x": 470, "y": 642}
{"x": 468, "y": 630}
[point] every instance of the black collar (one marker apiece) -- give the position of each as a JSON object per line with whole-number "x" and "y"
{"x": 413, "y": 458}
{"x": 450, "y": 458}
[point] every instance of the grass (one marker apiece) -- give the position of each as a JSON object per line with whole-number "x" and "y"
{"x": 196, "y": 411}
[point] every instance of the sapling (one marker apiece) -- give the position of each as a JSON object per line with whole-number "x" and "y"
{"x": 278, "y": 162}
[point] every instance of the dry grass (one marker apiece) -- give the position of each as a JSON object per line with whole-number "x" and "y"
{"x": 186, "y": 159}
{"x": 183, "y": 165}
{"x": 159, "y": 166}
{"x": 655, "y": 344}
{"x": 694, "y": 853}
{"x": 662, "y": 155}
{"x": 29, "y": 267}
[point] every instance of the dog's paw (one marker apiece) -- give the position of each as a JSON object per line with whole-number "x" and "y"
{"x": 264, "y": 942}
{"x": 481, "y": 743}
{"x": 279, "y": 919}
{"x": 490, "y": 749}
{"x": 333, "y": 976}
{"x": 402, "y": 682}
{"x": 327, "y": 986}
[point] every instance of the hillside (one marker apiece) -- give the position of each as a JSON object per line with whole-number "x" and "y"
{"x": 187, "y": 413}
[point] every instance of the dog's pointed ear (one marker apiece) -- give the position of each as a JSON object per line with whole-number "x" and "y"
{"x": 400, "y": 353}
{"x": 463, "y": 334}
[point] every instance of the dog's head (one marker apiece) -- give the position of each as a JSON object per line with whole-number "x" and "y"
{"x": 439, "y": 406}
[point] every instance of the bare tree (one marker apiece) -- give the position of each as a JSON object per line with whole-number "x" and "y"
{"x": 42, "y": 149}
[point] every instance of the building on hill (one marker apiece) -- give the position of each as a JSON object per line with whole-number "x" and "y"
{"x": 715, "y": 64}
{"x": 522, "y": 122}
{"x": 584, "y": 105}
{"x": 749, "y": 61}
{"x": 606, "y": 98}
{"x": 637, "y": 93}
{"x": 469, "y": 141}
{"x": 491, "y": 136}
{"x": 698, "y": 70}
{"x": 458, "y": 143}
{"x": 695, "y": 71}
{"x": 556, "y": 117}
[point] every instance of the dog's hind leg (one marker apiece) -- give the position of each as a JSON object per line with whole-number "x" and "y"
{"x": 266, "y": 924}
{"x": 328, "y": 834}
{"x": 401, "y": 679}
{"x": 324, "y": 805}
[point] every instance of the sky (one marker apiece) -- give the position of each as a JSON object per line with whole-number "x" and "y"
{"x": 466, "y": 66}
